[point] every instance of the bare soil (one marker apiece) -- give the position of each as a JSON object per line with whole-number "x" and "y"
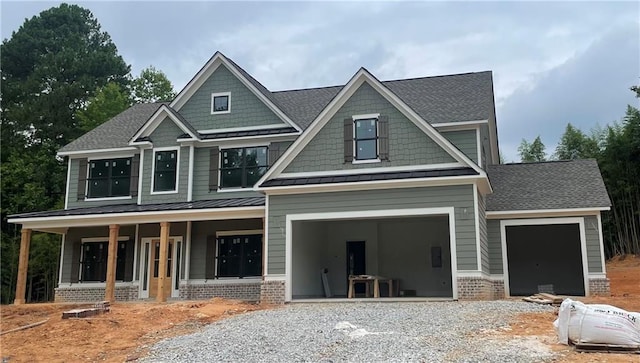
{"x": 120, "y": 335}
{"x": 624, "y": 275}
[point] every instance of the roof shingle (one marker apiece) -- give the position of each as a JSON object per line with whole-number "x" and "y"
{"x": 547, "y": 185}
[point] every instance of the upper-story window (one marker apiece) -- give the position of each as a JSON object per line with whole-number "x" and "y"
{"x": 165, "y": 172}
{"x": 220, "y": 102}
{"x": 242, "y": 167}
{"x": 366, "y": 138}
{"x": 109, "y": 178}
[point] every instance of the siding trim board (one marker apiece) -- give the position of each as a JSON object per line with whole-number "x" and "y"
{"x": 356, "y": 215}
{"x": 388, "y": 169}
{"x": 347, "y": 91}
{"x": 544, "y": 221}
{"x": 542, "y": 213}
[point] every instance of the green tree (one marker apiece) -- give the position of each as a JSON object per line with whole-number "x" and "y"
{"x": 532, "y": 152}
{"x": 107, "y": 103}
{"x": 51, "y": 67}
{"x": 574, "y": 144}
{"x": 152, "y": 85}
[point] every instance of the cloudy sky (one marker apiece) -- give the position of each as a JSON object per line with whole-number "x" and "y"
{"x": 553, "y": 62}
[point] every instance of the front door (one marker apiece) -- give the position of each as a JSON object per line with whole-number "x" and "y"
{"x": 155, "y": 268}
{"x": 356, "y": 262}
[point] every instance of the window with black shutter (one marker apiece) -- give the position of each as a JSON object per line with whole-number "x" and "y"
{"x": 242, "y": 167}
{"x": 109, "y": 178}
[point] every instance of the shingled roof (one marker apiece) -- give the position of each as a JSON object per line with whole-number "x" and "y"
{"x": 547, "y": 185}
{"x": 440, "y": 99}
{"x": 116, "y": 132}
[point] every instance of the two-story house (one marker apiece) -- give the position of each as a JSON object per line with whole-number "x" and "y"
{"x": 232, "y": 190}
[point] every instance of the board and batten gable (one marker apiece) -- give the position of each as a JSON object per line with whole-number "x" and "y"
{"x": 594, "y": 261}
{"x": 408, "y": 145}
{"x": 459, "y": 196}
{"x": 201, "y": 174}
{"x": 165, "y": 135}
{"x": 246, "y": 109}
{"x": 465, "y": 140}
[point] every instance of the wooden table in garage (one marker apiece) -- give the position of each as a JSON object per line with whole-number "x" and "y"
{"x": 368, "y": 280}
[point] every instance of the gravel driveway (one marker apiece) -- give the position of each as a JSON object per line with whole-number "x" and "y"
{"x": 361, "y": 332}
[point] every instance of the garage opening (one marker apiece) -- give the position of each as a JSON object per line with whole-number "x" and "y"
{"x": 543, "y": 256}
{"x": 414, "y": 252}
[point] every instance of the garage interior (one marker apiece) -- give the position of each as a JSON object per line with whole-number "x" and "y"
{"x": 413, "y": 251}
{"x": 540, "y": 255}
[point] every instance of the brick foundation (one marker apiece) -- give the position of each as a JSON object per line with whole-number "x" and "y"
{"x": 237, "y": 291}
{"x": 478, "y": 288}
{"x": 93, "y": 294}
{"x": 272, "y": 292}
{"x": 599, "y": 286}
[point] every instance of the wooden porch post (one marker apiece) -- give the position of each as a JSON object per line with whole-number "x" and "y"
{"x": 112, "y": 257}
{"x": 23, "y": 263}
{"x": 162, "y": 268}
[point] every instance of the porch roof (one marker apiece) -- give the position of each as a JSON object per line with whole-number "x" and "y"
{"x": 350, "y": 178}
{"x": 133, "y": 208}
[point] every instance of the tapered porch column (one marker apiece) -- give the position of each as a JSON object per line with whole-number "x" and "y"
{"x": 23, "y": 263}
{"x": 112, "y": 257}
{"x": 162, "y": 268}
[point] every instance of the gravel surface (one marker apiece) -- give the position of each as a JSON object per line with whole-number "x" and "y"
{"x": 361, "y": 332}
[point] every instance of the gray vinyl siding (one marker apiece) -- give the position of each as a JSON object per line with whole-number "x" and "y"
{"x": 165, "y": 135}
{"x": 592, "y": 235}
{"x": 73, "y": 201}
{"x": 486, "y": 146}
{"x": 484, "y": 243}
{"x": 466, "y": 141}
{"x": 72, "y": 243}
{"x": 460, "y": 197}
{"x": 594, "y": 262}
{"x": 201, "y": 176}
{"x": 495, "y": 246}
{"x": 408, "y": 145}
{"x": 199, "y": 233}
{"x": 246, "y": 108}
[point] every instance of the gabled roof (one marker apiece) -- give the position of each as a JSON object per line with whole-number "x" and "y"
{"x": 154, "y": 121}
{"x": 114, "y": 133}
{"x": 547, "y": 185}
{"x": 361, "y": 77}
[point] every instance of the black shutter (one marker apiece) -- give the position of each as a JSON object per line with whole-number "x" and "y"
{"x": 383, "y": 137}
{"x": 274, "y": 153}
{"x": 135, "y": 168}
{"x": 210, "y": 262}
{"x": 214, "y": 154}
{"x": 82, "y": 179}
{"x": 348, "y": 140}
{"x": 128, "y": 260}
{"x": 76, "y": 247}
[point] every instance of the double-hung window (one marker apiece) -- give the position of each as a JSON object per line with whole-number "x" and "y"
{"x": 366, "y": 139}
{"x": 239, "y": 256}
{"x": 165, "y": 171}
{"x": 109, "y": 178}
{"x": 242, "y": 167}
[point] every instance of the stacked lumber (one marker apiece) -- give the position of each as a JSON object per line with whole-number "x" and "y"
{"x": 544, "y": 299}
{"x": 605, "y": 348}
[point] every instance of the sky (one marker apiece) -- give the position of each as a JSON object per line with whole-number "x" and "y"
{"x": 552, "y": 62}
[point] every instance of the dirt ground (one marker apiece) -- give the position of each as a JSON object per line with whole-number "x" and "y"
{"x": 125, "y": 332}
{"x": 624, "y": 275}
{"x": 118, "y": 336}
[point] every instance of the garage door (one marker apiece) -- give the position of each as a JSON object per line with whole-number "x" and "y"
{"x": 544, "y": 255}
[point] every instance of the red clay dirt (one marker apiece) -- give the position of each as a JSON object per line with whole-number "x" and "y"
{"x": 118, "y": 336}
{"x": 624, "y": 275}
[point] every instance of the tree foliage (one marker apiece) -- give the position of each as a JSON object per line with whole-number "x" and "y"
{"x": 107, "y": 103}
{"x": 152, "y": 85}
{"x": 574, "y": 144}
{"x": 532, "y": 152}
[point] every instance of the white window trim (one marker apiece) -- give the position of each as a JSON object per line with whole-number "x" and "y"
{"x": 220, "y": 94}
{"x": 142, "y": 293}
{"x": 245, "y": 232}
{"x": 87, "y": 198}
{"x": 153, "y": 170}
{"x": 366, "y": 117}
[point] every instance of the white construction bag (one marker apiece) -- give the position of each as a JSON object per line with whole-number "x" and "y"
{"x": 597, "y": 324}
